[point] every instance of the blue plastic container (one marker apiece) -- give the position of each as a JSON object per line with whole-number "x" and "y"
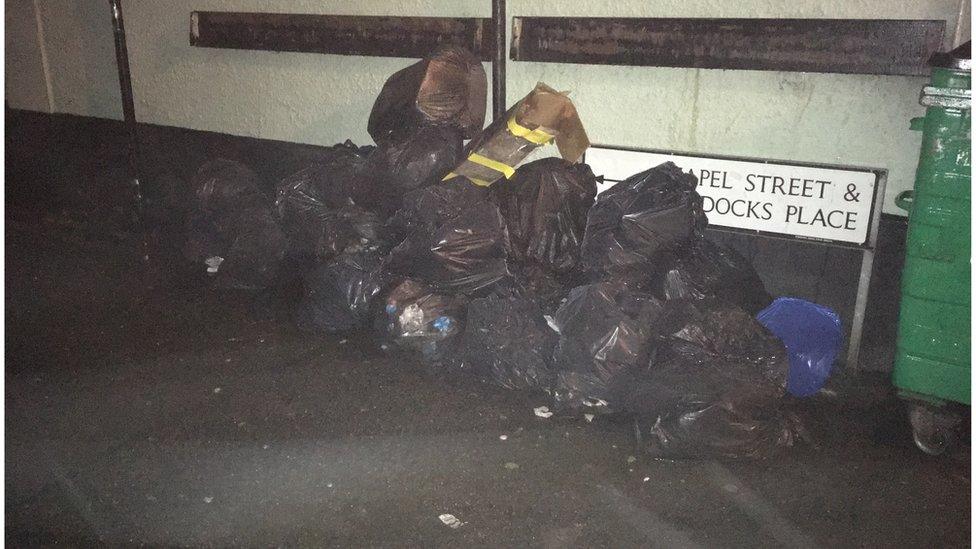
{"x": 812, "y": 335}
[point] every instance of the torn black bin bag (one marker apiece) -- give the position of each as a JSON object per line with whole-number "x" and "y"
{"x": 232, "y": 231}
{"x": 409, "y": 160}
{"x": 448, "y": 88}
{"x": 339, "y": 294}
{"x": 507, "y": 340}
{"x": 707, "y": 269}
{"x": 652, "y": 211}
{"x": 606, "y": 331}
{"x": 413, "y": 317}
{"x": 723, "y": 329}
{"x": 464, "y": 254}
{"x": 544, "y": 205}
{"x": 732, "y": 351}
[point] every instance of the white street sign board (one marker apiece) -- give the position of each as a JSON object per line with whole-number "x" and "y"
{"x": 799, "y": 200}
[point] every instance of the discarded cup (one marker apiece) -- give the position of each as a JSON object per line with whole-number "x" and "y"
{"x": 451, "y": 521}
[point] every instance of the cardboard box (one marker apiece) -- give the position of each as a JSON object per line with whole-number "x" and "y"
{"x": 542, "y": 117}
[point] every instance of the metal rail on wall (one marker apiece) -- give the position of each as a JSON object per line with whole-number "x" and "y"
{"x": 375, "y": 36}
{"x": 364, "y": 35}
{"x": 498, "y": 60}
{"x": 847, "y": 46}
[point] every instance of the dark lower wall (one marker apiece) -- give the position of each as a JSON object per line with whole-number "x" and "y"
{"x": 57, "y": 161}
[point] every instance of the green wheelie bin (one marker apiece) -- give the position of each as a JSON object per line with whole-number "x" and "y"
{"x": 932, "y": 361}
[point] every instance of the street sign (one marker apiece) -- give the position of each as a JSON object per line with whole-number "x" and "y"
{"x": 831, "y": 203}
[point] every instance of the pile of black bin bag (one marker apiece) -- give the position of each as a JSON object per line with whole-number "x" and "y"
{"x": 614, "y": 304}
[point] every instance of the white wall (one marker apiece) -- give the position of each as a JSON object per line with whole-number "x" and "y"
{"x": 25, "y": 86}
{"x": 289, "y": 96}
{"x": 80, "y": 51}
{"x": 845, "y": 119}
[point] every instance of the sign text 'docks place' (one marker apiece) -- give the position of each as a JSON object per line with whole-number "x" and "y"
{"x": 807, "y": 201}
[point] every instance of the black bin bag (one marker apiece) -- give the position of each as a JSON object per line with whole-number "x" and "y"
{"x": 348, "y": 229}
{"x": 435, "y": 204}
{"x": 225, "y": 187}
{"x": 232, "y": 231}
{"x": 318, "y": 213}
{"x": 336, "y": 178}
{"x": 462, "y": 254}
{"x": 653, "y": 211}
{"x": 507, "y": 340}
{"x": 339, "y": 294}
{"x": 713, "y": 388}
{"x": 544, "y": 205}
{"x": 448, "y": 88}
{"x": 607, "y": 331}
{"x": 316, "y": 231}
{"x": 295, "y": 157}
{"x": 409, "y": 160}
{"x": 719, "y": 430}
{"x": 255, "y": 255}
{"x": 413, "y": 317}
{"x": 692, "y": 404}
{"x": 547, "y": 289}
{"x": 724, "y": 329}
{"x": 706, "y": 269}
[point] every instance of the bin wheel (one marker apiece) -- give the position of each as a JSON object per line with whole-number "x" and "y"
{"x": 933, "y": 429}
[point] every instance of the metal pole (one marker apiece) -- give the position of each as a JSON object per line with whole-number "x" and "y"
{"x": 864, "y": 280}
{"x": 128, "y": 111}
{"x": 498, "y": 60}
